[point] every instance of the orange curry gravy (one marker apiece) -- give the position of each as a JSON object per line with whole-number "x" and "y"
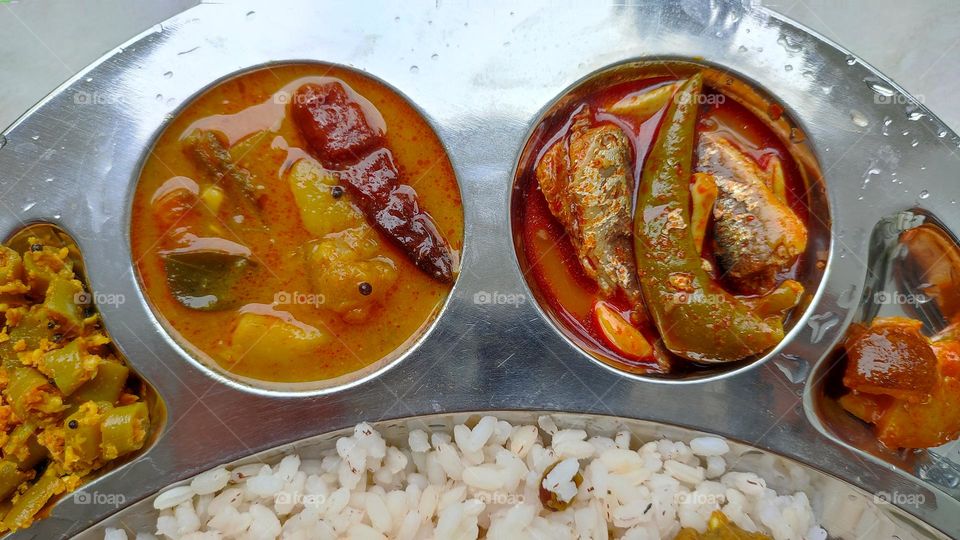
{"x": 251, "y": 114}
{"x": 551, "y": 259}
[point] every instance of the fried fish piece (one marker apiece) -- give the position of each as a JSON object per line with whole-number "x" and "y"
{"x": 756, "y": 233}
{"x": 587, "y": 182}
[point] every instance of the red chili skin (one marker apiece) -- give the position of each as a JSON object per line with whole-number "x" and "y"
{"x": 333, "y": 124}
{"x": 375, "y": 184}
{"x": 340, "y": 137}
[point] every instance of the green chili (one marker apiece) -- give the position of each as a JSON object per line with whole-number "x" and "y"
{"x": 696, "y": 318}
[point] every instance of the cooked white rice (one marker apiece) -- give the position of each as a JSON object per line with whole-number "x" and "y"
{"x": 482, "y": 482}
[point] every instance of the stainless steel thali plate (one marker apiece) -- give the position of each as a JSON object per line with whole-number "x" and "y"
{"x": 481, "y": 74}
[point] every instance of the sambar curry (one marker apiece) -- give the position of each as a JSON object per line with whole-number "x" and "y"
{"x": 297, "y": 223}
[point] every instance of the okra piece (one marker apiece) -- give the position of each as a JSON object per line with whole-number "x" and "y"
{"x": 33, "y": 500}
{"x": 11, "y": 266}
{"x": 43, "y": 266}
{"x": 697, "y": 319}
{"x": 124, "y": 429}
{"x": 32, "y": 329}
{"x": 61, "y": 301}
{"x": 29, "y": 391}
{"x": 82, "y": 437}
{"x": 17, "y": 447}
{"x": 106, "y": 386}
{"x": 32, "y": 454}
{"x": 70, "y": 367}
{"x": 10, "y": 478}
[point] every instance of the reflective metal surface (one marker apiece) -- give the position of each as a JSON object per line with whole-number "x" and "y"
{"x": 481, "y": 74}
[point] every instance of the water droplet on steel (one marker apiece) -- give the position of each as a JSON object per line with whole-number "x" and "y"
{"x": 794, "y": 368}
{"x": 788, "y": 46}
{"x": 858, "y": 118}
{"x": 819, "y": 325}
{"x": 848, "y": 298}
{"x": 879, "y": 86}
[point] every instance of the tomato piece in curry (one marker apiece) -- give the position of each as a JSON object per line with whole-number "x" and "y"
{"x": 259, "y": 260}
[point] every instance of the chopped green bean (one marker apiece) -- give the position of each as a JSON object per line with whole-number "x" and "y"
{"x": 124, "y": 429}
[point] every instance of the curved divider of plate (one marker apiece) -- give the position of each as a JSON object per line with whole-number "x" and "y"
{"x": 480, "y": 75}
{"x": 54, "y": 236}
{"x": 898, "y": 284}
{"x": 847, "y": 512}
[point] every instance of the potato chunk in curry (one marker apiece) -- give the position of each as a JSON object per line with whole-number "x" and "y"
{"x": 347, "y": 266}
{"x": 263, "y": 334}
